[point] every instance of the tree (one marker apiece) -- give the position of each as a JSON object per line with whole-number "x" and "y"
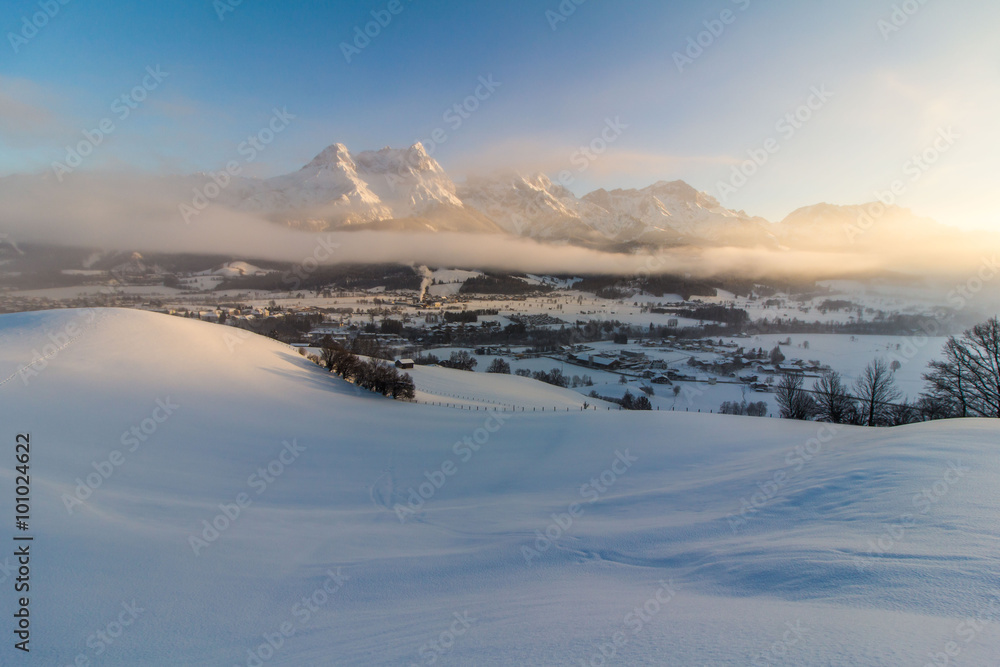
{"x": 935, "y": 407}
{"x": 385, "y": 376}
{"x": 461, "y": 360}
{"x": 346, "y": 364}
{"x": 903, "y": 413}
{"x": 876, "y": 391}
{"x": 553, "y": 377}
{"x": 328, "y": 355}
{"x": 329, "y": 350}
{"x": 794, "y": 401}
{"x": 642, "y": 403}
{"x": 498, "y": 365}
{"x": 391, "y": 326}
{"x": 426, "y": 360}
{"x": 833, "y": 403}
{"x": 967, "y": 382}
{"x": 758, "y": 409}
{"x": 630, "y": 402}
{"x": 732, "y": 408}
{"x": 776, "y": 356}
{"x": 369, "y": 347}
{"x": 403, "y": 387}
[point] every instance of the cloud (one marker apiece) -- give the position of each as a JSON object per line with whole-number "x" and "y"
{"x": 140, "y": 212}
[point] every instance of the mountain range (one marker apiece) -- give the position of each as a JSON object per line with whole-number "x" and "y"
{"x": 407, "y": 190}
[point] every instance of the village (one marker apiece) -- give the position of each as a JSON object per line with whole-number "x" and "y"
{"x": 683, "y": 353}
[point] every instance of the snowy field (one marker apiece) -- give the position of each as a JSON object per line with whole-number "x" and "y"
{"x": 848, "y": 355}
{"x": 504, "y": 392}
{"x": 355, "y": 530}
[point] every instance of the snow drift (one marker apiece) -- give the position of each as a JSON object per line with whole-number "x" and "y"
{"x": 236, "y": 505}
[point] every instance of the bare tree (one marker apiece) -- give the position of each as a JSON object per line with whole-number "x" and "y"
{"x": 329, "y": 351}
{"x": 794, "y": 401}
{"x": 461, "y": 360}
{"x": 967, "y": 382}
{"x": 904, "y": 413}
{"x": 403, "y": 386}
{"x": 328, "y": 355}
{"x": 876, "y": 392}
{"x": 833, "y": 403}
{"x": 499, "y": 365}
{"x": 346, "y": 364}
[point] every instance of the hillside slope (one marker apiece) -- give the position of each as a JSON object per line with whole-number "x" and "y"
{"x": 389, "y": 533}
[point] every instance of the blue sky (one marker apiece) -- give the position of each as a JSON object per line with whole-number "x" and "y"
{"x": 893, "y": 92}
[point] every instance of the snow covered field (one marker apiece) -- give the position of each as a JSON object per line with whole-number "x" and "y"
{"x": 236, "y": 505}
{"x": 504, "y": 392}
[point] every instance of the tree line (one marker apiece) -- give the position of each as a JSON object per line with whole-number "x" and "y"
{"x": 373, "y": 374}
{"x": 966, "y": 383}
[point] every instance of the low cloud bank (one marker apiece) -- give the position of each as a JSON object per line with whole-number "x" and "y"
{"x": 136, "y": 212}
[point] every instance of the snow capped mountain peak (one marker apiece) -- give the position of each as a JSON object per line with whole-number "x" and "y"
{"x": 406, "y": 188}
{"x": 382, "y": 189}
{"x": 409, "y": 180}
{"x": 412, "y": 161}
{"x": 681, "y": 191}
{"x": 676, "y": 208}
{"x": 528, "y": 205}
{"x": 663, "y": 213}
{"x": 333, "y": 156}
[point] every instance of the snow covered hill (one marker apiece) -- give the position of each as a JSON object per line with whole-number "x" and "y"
{"x": 202, "y": 498}
{"x": 467, "y": 390}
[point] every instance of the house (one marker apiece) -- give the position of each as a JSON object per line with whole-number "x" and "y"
{"x": 404, "y": 363}
{"x": 605, "y": 362}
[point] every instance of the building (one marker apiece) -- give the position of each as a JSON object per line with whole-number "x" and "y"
{"x": 404, "y": 363}
{"x": 605, "y": 363}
